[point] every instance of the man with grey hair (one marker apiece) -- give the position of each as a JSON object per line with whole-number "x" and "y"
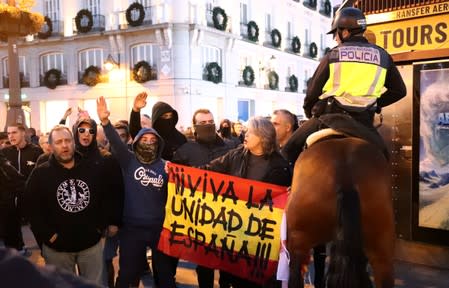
{"x": 285, "y": 124}
{"x": 68, "y": 208}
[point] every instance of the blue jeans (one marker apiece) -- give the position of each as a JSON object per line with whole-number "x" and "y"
{"x": 89, "y": 261}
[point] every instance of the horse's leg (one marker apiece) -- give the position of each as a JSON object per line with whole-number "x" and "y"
{"x": 299, "y": 249}
{"x": 380, "y": 255}
{"x": 319, "y": 261}
{"x": 298, "y": 264}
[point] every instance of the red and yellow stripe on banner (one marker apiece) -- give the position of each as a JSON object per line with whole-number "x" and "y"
{"x": 224, "y": 222}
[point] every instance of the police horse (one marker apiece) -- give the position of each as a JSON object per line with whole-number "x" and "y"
{"x": 341, "y": 192}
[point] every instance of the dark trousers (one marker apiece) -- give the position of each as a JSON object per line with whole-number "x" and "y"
{"x": 133, "y": 246}
{"x": 12, "y": 228}
{"x": 205, "y": 277}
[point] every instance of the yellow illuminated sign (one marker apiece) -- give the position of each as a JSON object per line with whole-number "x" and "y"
{"x": 412, "y": 12}
{"x": 411, "y": 35}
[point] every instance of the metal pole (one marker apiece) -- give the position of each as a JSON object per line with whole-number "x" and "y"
{"x": 15, "y": 113}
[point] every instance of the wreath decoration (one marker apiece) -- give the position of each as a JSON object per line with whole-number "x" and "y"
{"x": 293, "y": 83}
{"x": 217, "y": 11}
{"x": 273, "y": 80}
{"x": 135, "y": 6}
{"x": 49, "y": 31}
{"x": 214, "y": 72}
{"x": 313, "y": 50}
{"x": 142, "y": 72}
{"x": 80, "y": 16}
{"x": 91, "y": 76}
{"x": 312, "y": 3}
{"x": 248, "y": 76}
{"x": 276, "y": 38}
{"x": 253, "y": 31}
{"x": 52, "y": 78}
{"x": 327, "y": 8}
{"x": 296, "y": 44}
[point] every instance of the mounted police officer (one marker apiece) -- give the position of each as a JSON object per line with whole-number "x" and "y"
{"x": 350, "y": 80}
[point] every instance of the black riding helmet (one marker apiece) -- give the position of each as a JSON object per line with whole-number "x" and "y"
{"x": 349, "y": 18}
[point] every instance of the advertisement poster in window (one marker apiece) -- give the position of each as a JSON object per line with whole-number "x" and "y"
{"x": 433, "y": 145}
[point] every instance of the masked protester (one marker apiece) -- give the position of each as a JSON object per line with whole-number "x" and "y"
{"x": 225, "y": 131}
{"x": 144, "y": 205}
{"x": 206, "y": 146}
{"x": 164, "y": 119}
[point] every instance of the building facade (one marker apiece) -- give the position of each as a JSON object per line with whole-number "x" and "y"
{"x": 238, "y": 58}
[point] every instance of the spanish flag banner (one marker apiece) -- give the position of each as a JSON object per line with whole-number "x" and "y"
{"x": 223, "y": 222}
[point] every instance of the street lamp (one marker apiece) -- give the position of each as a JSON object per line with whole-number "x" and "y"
{"x": 110, "y": 63}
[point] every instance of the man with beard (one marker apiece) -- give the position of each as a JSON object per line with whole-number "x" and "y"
{"x": 164, "y": 119}
{"x": 68, "y": 208}
{"x": 207, "y": 146}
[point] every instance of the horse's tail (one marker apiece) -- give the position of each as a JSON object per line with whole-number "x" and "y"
{"x": 347, "y": 268}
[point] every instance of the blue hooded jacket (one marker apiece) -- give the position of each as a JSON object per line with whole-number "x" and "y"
{"x": 145, "y": 184}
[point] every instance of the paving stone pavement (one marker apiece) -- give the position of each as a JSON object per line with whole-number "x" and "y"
{"x": 408, "y": 275}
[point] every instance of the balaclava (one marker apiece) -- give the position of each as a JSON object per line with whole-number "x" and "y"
{"x": 146, "y": 153}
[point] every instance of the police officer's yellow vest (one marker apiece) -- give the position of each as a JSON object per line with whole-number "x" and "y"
{"x": 356, "y": 74}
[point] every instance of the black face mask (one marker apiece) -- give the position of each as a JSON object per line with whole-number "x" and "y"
{"x": 165, "y": 126}
{"x": 205, "y": 133}
{"x": 146, "y": 153}
{"x": 225, "y": 132}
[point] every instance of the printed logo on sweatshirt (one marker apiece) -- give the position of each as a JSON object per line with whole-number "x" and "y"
{"x": 73, "y": 195}
{"x": 141, "y": 174}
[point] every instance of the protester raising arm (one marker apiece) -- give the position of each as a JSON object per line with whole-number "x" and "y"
{"x": 134, "y": 120}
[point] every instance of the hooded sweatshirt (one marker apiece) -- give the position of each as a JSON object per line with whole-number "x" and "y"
{"x": 69, "y": 202}
{"x": 145, "y": 184}
{"x": 165, "y": 127}
{"x": 107, "y": 166}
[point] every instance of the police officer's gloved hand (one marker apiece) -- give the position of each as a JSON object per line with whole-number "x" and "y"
{"x": 378, "y": 109}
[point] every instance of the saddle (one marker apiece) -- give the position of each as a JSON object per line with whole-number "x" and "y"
{"x": 342, "y": 125}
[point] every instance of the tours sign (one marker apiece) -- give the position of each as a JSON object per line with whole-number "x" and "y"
{"x": 419, "y": 28}
{"x": 225, "y": 222}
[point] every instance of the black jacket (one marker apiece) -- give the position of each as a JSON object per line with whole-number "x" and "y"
{"x": 11, "y": 186}
{"x": 393, "y": 82}
{"x": 195, "y": 154}
{"x": 70, "y": 202}
{"x": 28, "y": 156}
{"x": 235, "y": 163}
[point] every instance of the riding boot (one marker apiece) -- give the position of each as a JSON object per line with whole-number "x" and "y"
{"x": 319, "y": 264}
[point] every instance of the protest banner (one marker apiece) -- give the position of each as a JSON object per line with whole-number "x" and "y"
{"x": 222, "y": 221}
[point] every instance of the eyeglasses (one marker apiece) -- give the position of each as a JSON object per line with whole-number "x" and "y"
{"x": 81, "y": 130}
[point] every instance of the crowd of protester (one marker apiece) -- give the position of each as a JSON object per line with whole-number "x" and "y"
{"x": 76, "y": 186}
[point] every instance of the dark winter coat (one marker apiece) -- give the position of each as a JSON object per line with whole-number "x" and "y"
{"x": 195, "y": 154}
{"x": 235, "y": 163}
